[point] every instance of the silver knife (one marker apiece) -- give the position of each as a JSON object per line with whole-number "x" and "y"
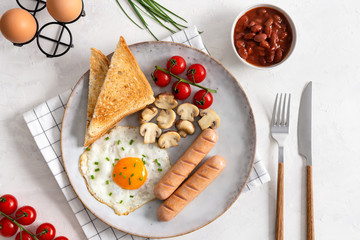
{"x": 304, "y": 144}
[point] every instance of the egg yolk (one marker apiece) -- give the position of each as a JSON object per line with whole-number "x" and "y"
{"x": 129, "y": 173}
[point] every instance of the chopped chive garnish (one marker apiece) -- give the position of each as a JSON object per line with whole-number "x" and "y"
{"x": 87, "y": 149}
{"x": 117, "y": 159}
{"x": 157, "y": 162}
{"x": 122, "y": 148}
{"x": 98, "y": 169}
{"x": 129, "y": 181}
{"x": 110, "y": 194}
{"x": 140, "y": 179}
{"x": 144, "y": 162}
{"x": 107, "y": 159}
{"x": 121, "y": 201}
{"x": 107, "y": 181}
{"x": 132, "y": 175}
{"x": 118, "y": 142}
{"x": 120, "y": 173}
{"x": 134, "y": 164}
{"x": 92, "y": 177}
{"x": 107, "y": 138}
{"x": 159, "y": 169}
{"x": 114, "y": 175}
{"x": 131, "y": 142}
{"x": 113, "y": 164}
{"x": 124, "y": 167}
{"x": 144, "y": 155}
{"x": 131, "y": 196}
{"x": 124, "y": 176}
{"x": 96, "y": 163}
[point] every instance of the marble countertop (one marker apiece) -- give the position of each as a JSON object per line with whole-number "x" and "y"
{"x": 326, "y": 53}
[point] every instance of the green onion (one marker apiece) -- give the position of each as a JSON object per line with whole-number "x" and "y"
{"x": 98, "y": 169}
{"x": 120, "y": 173}
{"x": 113, "y": 164}
{"x": 143, "y": 161}
{"x": 124, "y": 167}
{"x": 156, "y": 161}
{"x": 124, "y": 176}
{"x": 159, "y": 169}
{"x": 116, "y": 159}
{"x": 107, "y": 138}
{"x": 96, "y": 163}
{"x": 88, "y": 149}
{"x": 144, "y": 156}
{"x": 92, "y": 177}
{"x": 107, "y": 159}
{"x": 131, "y": 142}
{"x": 129, "y": 181}
{"x": 154, "y": 11}
{"x": 121, "y": 201}
{"x": 134, "y": 164}
{"x": 118, "y": 142}
{"x": 132, "y": 175}
{"x": 107, "y": 181}
{"x": 114, "y": 175}
{"x": 140, "y": 179}
{"x": 110, "y": 193}
{"x": 122, "y": 148}
{"x": 131, "y": 196}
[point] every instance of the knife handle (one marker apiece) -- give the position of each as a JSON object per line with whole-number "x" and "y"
{"x": 279, "y": 231}
{"x": 309, "y": 205}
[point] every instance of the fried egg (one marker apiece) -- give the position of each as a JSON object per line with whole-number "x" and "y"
{"x": 121, "y": 171}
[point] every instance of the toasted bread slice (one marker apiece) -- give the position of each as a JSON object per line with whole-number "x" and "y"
{"x": 125, "y": 91}
{"x": 99, "y": 65}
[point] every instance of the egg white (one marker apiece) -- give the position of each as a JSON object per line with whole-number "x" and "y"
{"x": 122, "y": 142}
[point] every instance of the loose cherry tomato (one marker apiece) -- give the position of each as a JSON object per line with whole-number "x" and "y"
{"x": 24, "y": 236}
{"x": 160, "y": 78}
{"x": 181, "y": 90}
{"x": 61, "y": 238}
{"x": 8, "y": 204}
{"x": 25, "y": 215}
{"x": 46, "y": 231}
{"x": 7, "y": 227}
{"x": 203, "y": 99}
{"x": 176, "y": 65}
{"x": 196, "y": 73}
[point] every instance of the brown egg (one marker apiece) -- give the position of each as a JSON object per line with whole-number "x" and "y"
{"x": 18, "y": 25}
{"x": 64, "y": 10}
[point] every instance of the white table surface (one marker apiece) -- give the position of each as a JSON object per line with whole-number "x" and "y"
{"x": 326, "y": 53}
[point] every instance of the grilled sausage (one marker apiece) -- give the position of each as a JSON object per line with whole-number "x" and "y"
{"x": 185, "y": 164}
{"x": 191, "y": 188}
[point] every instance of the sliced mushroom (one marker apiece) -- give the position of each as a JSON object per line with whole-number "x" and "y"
{"x": 166, "y": 119}
{"x": 188, "y": 111}
{"x": 150, "y": 131}
{"x": 209, "y": 119}
{"x": 185, "y": 127}
{"x": 165, "y": 101}
{"x": 147, "y": 114}
{"x": 169, "y": 139}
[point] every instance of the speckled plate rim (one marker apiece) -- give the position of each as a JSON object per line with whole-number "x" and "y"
{"x": 252, "y": 120}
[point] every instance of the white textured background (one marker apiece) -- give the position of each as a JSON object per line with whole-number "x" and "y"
{"x": 327, "y": 54}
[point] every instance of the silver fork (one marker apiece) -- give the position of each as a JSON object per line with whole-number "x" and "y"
{"x": 279, "y": 130}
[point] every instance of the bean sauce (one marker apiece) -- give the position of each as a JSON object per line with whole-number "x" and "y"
{"x": 263, "y": 36}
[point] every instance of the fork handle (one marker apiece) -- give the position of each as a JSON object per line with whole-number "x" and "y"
{"x": 309, "y": 205}
{"x": 279, "y": 231}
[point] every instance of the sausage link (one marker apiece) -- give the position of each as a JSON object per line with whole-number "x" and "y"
{"x": 186, "y": 164}
{"x": 191, "y": 188}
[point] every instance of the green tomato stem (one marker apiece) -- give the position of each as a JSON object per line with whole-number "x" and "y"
{"x": 19, "y": 225}
{"x": 186, "y": 81}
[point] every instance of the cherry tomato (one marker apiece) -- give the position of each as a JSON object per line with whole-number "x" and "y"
{"x": 203, "y": 99}
{"x": 181, "y": 90}
{"x": 24, "y": 236}
{"x": 7, "y": 227}
{"x": 46, "y": 231}
{"x": 176, "y": 65}
{"x": 160, "y": 78}
{"x": 25, "y": 215}
{"x": 8, "y": 204}
{"x": 61, "y": 238}
{"x": 196, "y": 73}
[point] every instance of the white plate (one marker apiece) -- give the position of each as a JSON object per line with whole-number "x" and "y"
{"x": 237, "y": 142}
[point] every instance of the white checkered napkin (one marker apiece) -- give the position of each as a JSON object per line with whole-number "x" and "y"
{"x": 44, "y": 123}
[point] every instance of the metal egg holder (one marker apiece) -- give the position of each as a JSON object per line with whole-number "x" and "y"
{"x": 40, "y": 5}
